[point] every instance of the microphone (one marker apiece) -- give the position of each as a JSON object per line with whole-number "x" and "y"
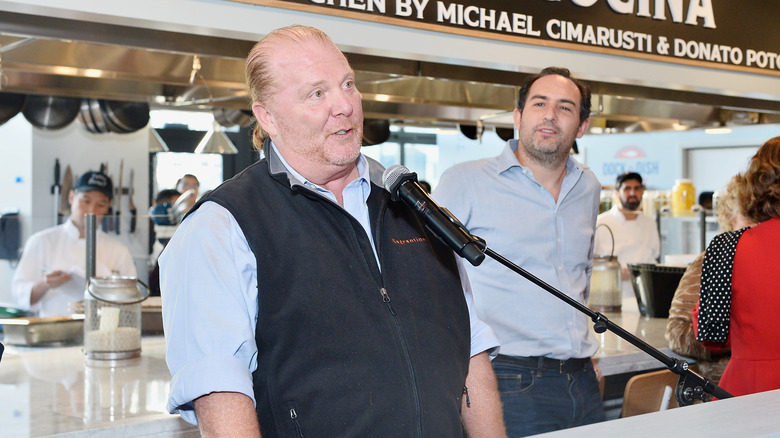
{"x": 403, "y": 186}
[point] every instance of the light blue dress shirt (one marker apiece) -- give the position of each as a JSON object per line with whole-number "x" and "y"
{"x": 211, "y": 342}
{"x": 499, "y": 200}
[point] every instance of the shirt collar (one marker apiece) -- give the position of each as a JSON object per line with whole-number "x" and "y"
{"x": 70, "y": 229}
{"x": 363, "y": 178}
{"x": 73, "y": 232}
{"x": 507, "y": 159}
{"x": 615, "y": 211}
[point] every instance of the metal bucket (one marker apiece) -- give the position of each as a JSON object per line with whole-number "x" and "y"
{"x": 112, "y": 317}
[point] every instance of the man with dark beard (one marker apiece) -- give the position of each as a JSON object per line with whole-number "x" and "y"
{"x": 537, "y": 206}
{"x": 636, "y": 235}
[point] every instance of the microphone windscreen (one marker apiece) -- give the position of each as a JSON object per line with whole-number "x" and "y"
{"x": 391, "y": 176}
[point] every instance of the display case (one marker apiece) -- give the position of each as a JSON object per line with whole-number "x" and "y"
{"x": 686, "y": 234}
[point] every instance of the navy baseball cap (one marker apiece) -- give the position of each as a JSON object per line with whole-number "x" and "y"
{"x": 97, "y": 181}
{"x": 626, "y": 176}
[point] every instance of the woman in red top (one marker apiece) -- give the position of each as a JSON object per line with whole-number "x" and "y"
{"x": 740, "y": 298}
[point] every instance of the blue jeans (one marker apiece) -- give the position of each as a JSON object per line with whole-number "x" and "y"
{"x": 542, "y": 400}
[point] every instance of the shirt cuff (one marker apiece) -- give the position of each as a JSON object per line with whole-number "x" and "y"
{"x": 207, "y": 375}
{"x": 484, "y": 339}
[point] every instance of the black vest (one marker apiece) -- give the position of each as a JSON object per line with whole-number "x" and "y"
{"x": 345, "y": 350}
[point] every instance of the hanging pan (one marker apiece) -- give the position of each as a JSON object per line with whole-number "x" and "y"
{"x": 10, "y": 105}
{"x": 92, "y": 117}
{"x": 85, "y": 117}
{"x": 100, "y": 121}
{"x": 125, "y": 117}
{"x": 375, "y": 131}
{"x": 51, "y": 112}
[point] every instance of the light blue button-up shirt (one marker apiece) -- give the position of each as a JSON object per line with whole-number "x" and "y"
{"x": 211, "y": 343}
{"x": 500, "y": 201}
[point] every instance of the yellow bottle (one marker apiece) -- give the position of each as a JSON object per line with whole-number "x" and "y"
{"x": 683, "y": 197}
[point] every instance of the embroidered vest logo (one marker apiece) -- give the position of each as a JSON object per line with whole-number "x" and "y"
{"x": 407, "y": 241}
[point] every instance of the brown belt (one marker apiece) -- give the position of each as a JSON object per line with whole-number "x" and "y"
{"x": 546, "y": 363}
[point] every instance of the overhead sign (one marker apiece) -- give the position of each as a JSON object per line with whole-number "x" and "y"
{"x": 727, "y": 34}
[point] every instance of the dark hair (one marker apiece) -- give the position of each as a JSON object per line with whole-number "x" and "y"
{"x": 623, "y": 177}
{"x": 166, "y": 195}
{"x": 522, "y": 95}
{"x": 759, "y": 197}
{"x": 188, "y": 175}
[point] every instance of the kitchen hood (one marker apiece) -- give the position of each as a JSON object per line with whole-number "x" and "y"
{"x": 64, "y": 57}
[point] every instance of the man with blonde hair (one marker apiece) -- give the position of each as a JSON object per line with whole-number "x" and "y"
{"x": 299, "y": 300}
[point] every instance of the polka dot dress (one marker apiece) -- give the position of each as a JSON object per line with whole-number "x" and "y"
{"x": 715, "y": 299}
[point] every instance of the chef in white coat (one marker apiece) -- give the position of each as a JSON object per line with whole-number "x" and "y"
{"x": 52, "y": 271}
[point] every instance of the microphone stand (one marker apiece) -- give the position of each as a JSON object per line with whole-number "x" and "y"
{"x": 690, "y": 386}
{"x": 454, "y": 234}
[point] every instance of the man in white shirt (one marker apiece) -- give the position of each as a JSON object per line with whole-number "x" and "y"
{"x": 52, "y": 271}
{"x": 635, "y": 234}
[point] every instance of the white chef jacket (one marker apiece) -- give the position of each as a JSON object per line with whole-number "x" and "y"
{"x": 60, "y": 248}
{"x": 636, "y": 241}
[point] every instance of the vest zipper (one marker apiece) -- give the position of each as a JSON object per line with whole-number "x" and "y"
{"x": 396, "y": 324}
{"x": 294, "y": 417}
{"x": 408, "y": 359}
{"x": 386, "y": 299}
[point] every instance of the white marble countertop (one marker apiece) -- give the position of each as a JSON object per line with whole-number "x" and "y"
{"x": 747, "y": 416}
{"x": 617, "y": 356}
{"x": 54, "y": 392}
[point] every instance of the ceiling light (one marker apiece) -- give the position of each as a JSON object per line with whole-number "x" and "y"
{"x": 718, "y": 131}
{"x": 156, "y": 143}
{"x": 215, "y": 142}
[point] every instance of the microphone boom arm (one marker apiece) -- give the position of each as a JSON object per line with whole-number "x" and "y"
{"x": 690, "y": 385}
{"x": 403, "y": 186}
